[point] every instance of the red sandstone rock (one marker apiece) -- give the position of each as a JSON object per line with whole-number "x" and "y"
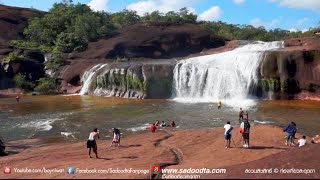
{"x": 185, "y": 148}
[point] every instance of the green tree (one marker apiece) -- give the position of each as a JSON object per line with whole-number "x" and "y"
{"x": 90, "y": 27}
{"x": 21, "y": 81}
{"x": 186, "y": 16}
{"x": 46, "y": 85}
{"x": 155, "y": 16}
{"x": 68, "y": 42}
{"x": 124, "y": 18}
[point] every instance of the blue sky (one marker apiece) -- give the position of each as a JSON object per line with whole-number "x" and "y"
{"x": 284, "y": 14}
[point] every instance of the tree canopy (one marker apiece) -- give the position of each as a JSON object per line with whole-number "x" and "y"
{"x": 70, "y": 27}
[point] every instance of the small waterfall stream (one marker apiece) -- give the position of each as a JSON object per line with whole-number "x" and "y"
{"x": 88, "y": 78}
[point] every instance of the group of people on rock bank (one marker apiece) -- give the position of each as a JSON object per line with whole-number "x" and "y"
{"x": 154, "y": 126}
{"x": 245, "y": 126}
{"x": 291, "y": 130}
{"x": 94, "y": 135}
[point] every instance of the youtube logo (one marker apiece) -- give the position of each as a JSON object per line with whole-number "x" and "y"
{"x": 7, "y": 170}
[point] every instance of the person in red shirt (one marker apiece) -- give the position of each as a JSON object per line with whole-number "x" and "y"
{"x": 152, "y": 128}
{"x": 17, "y": 98}
{"x": 157, "y": 123}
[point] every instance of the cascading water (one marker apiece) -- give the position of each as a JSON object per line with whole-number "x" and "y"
{"x": 225, "y": 76}
{"x": 88, "y": 77}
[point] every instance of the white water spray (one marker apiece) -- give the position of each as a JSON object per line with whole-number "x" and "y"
{"x": 225, "y": 77}
{"x": 88, "y": 77}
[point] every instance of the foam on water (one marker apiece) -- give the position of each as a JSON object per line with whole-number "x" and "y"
{"x": 139, "y": 128}
{"x": 67, "y": 134}
{"x": 263, "y": 122}
{"x": 41, "y": 124}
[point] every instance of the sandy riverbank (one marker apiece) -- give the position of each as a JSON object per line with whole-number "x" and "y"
{"x": 169, "y": 149}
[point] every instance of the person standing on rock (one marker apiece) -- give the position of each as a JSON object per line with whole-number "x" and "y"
{"x": 245, "y": 131}
{"x": 91, "y": 143}
{"x": 291, "y": 130}
{"x": 227, "y": 135}
{"x": 116, "y": 137}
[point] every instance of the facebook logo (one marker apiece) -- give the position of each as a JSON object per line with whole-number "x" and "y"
{"x": 71, "y": 170}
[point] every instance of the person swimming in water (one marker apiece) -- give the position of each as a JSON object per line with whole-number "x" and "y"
{"x": 173, "y": 124}
{"x": 241, "y": 114}
{"x": 17, "y": 98}
{"x": 163, "y": 124}
{"x": 219, "y": 104}
{"x": 247, "y": 115}
{"x": 157, "y": 123}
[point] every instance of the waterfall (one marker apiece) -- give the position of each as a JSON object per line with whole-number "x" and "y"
{"x": 226, "y": 76}
{"x": 88, "y": 77}
{"x": 48, "y": 71}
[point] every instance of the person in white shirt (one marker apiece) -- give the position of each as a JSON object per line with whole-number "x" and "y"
{"x": 302, "y": 141}
{"x": 227, "y": 134}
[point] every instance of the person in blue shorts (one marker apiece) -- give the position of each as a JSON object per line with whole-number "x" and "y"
{"x": 227, "y": 134}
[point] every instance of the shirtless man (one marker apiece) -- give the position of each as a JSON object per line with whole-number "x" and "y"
{"x": 91, "y": 143}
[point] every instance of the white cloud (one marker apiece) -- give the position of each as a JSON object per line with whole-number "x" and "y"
{"x": 302, "y": 21}
{"x": 304, "y": 4}
{"x": 256, "y": 22}
{"x": 98, "y": 5}
{"x": 143, "y": 7}
{"x": 293, "y": 30}
{"x": 161, "y": 5}
{"x": 238, "y": 1}
{"x": 211, "y": 14}
{"x": 274, "y": 22}
{"x": 304, "y": 30}
{"x": 298, "y": 30}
